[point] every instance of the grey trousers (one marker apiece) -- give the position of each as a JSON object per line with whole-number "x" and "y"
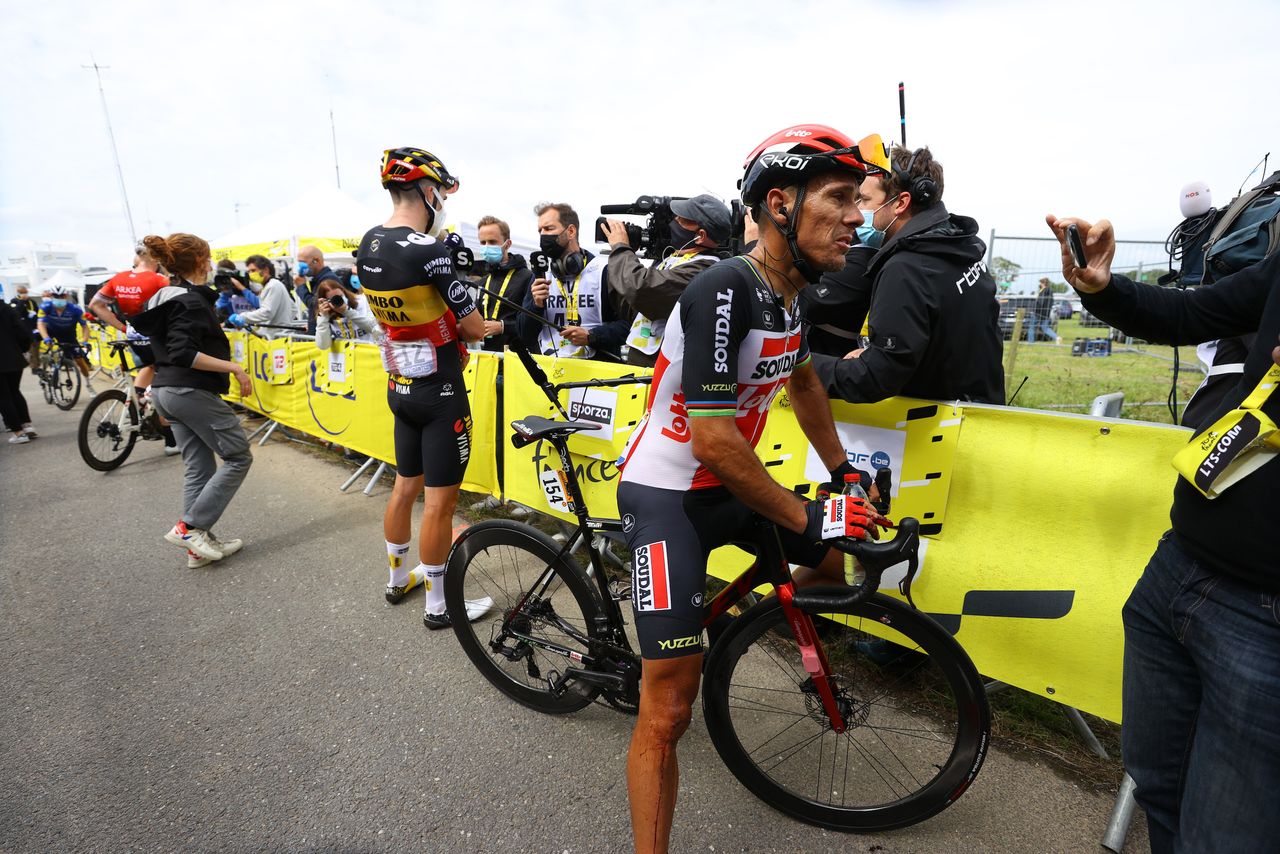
{"x": 204, "y": 425}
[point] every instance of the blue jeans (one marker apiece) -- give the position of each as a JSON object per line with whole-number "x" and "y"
{"x": 1201, "y": 733}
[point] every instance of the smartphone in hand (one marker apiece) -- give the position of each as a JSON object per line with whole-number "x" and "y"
{"x": 1076, "y": 246}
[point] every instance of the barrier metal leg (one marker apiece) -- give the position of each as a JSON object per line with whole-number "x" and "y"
{"x": 1086, "y": 734}
{"x": 275, "y": 425}
{"x": 377, "y": 475}
{"x": 1121, "y": 817}
{"x": 263, "y": 426}
{"x": 363, "y": 468}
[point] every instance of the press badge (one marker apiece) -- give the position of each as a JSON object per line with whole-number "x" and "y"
{"x": 1238, "y": 444}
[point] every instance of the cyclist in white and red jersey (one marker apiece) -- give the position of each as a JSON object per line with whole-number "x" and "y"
{"x": 424, "y": 308}
{"x": 691, "y": 481}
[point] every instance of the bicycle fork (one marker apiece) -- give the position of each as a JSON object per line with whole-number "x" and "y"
{"x": 812, "y": 655}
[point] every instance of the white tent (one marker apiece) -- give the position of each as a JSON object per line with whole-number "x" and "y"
{"x": 326, "y": 217}
{"x": 73, "y": 282}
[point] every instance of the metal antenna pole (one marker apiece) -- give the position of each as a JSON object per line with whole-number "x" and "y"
{"x": 334, "y": 133}
{"x": 124, "y": 196}
{"x": 902, "y": 111}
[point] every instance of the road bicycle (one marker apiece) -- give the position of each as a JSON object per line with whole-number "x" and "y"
{"x": 59, "y": 376}
{"x": 116, "y": 418}
{"x": 839, "y": 706}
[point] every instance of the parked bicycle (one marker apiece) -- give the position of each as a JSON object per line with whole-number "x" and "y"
{"x": 58, "y": 375}
{"x": 806, "y": 704}
{"x": 116, "y": 418}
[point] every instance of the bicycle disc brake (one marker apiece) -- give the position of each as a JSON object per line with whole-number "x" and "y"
{"x": 852, "y": 710}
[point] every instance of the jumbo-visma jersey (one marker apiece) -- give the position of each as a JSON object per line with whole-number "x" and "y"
{"x": 730, "y": 344}
{"x": 407, "y": 278}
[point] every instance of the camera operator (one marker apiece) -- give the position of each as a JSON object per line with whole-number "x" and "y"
{"x": 700, "y": 225}
{"x": 234, "y": 294}
{"x": 275, "y": 306}
{"x": 934, "y": 322}
{"x": 575, "y": 299}
{"x": 506, "y": 275}
{"x": 1202, "y": 625}
{"x": 342, "y": 315}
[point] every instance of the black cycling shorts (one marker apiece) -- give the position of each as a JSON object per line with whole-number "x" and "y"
{"x": 432, "y": 428}
{"x": 670, "y": 533}
{"x": 144, "y": 356}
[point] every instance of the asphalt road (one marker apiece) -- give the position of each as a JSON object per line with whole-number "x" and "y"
{"x": 275, "y": 702}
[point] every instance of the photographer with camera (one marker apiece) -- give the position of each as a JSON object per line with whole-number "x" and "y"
{"x": 275, "y": 306}
{"x": 235, "y": 296}
{"x": 581, "y": 317}
{"x": 505, "y": 275}
{"x": 342, "y": 315}
{"x": 697, "y": 227}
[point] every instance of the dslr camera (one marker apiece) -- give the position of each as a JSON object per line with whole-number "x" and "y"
{"x": 222, "y": 279}
{"x": 650, "y": 239}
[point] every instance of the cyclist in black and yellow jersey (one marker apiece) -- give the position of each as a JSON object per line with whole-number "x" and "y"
{"x": 426, "y": 312}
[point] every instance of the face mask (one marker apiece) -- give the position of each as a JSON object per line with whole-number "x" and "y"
{"x": 303, "y": 268}
{"x": 435, "y": 228}
{"x": 491, "y": 254}
{"x": 550, "y": 245}
{"x": 868, "y": 233}
{"x": 681, "y": 237}
{"x": 256, "y": 277}
{"x": 59, "y": 303}
{"x": 355, "y": 282}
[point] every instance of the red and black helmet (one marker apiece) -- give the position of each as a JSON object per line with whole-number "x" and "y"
{"x": 805, "y": 150}
{"x": 406, "y": 165}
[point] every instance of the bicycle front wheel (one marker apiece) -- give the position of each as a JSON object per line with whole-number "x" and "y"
{"x": 913, "y": 703}
{"x": 66, "y": 385}
{"x": 108, "y": 430}
{"x": 46, "y": 382}
{"x": 542, "y": 610}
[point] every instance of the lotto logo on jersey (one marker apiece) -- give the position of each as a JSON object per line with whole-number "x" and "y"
{"x": 650, "y": 588}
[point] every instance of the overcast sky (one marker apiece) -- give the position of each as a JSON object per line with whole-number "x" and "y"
{"x": 1088, "y": 108}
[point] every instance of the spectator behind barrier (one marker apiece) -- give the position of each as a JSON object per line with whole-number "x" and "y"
{"x": 934, "y": 323}
{"x": 506, "y": 275}
{"x": 1202, "y": 625}
{"x": 575, "y": 300}
{"x": 276, "y": 307}
{"x": 835, "y": 308}
{"x": 342, "y": 315}
{"x": 312, "y": 268}
{"x": 701, "y": 224}
{"x": 1043, "y": 319}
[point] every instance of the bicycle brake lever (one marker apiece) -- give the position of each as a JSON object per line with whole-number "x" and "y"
{"x": 904, "y": 586}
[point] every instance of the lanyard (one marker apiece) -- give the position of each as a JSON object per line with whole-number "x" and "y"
{"x": 788, "y": 312}
{"x": 495, "y": 304}
{"x": 571, "y": 301}
{"x": 1235, "y": 446}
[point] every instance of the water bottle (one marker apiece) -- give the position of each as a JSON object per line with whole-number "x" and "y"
{"x": 853, "y": 487}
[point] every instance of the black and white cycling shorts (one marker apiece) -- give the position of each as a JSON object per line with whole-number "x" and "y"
{"x": 670, "y": 533}
{"x": 432, "y": 427}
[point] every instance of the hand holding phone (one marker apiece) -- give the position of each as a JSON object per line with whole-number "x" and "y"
{"x": 1076, "y": 246}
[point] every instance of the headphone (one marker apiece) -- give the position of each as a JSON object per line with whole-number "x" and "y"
{"x": 922, "y": 188}
{"x": 569, "y": 265}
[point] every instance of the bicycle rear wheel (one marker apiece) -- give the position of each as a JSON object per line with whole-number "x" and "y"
{"x": 66, "y": 385}
{"x": 505, "y": 560}
{"x": 108, "y": 430}
{"x": 917, "y": 716}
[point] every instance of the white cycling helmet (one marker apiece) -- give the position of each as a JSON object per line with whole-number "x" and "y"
{"x": 58, "y": 291}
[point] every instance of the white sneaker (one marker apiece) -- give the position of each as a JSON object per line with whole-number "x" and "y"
{"x": 172, "y": 450}
{"x": 490, "y": 502}
{"x": 30, "y": 431}
{"x": 195, "y": 561}
{"x": 227, "y": 547}
{"x": 20, "y": 439}
{"x": 193, "y": 539}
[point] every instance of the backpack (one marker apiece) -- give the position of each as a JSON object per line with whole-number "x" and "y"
{"x": 1247, "y": 231}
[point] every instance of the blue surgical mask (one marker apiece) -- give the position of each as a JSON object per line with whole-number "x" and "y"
{"x": 868, "y": 233}
{"x": 303, "y": 268}
{"x": 355, "y": 282}
{"x": 59, "y": 303}
{"x": 491, "y": 254}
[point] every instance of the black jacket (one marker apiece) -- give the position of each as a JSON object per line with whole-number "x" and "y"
{"x": 14, "y": 340}
{"x": 1233, "y": 534}
{"x": 181, "y": 324}
{"x": 26, "y": 309}
{"x": 935, "y": 330}
{"x": 490, "y": 280}
{"x": 835, "y": 308}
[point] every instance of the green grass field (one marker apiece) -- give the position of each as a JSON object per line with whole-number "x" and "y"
{"x": 1060, "y": 382}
